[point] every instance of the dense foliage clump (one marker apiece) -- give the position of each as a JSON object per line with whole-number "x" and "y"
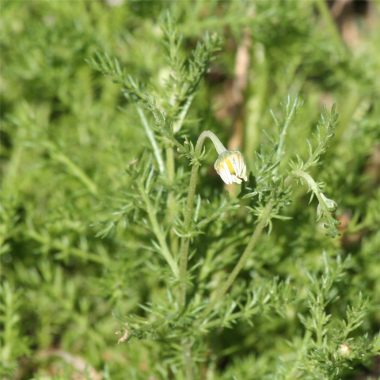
{"x": 123, "y": 255}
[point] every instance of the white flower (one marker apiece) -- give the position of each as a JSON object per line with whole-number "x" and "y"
{"x": 231, "y": 167}
{"x": 344, "y": 350}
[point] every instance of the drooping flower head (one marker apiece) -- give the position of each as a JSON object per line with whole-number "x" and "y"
{"x": 231, "y": 167}
{"x": 230, "y": 164}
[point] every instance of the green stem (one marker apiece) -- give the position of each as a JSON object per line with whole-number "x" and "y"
{"x": 76, "y": 171}
{"x": 294, "y": 371}
{"x": 170, "y": 168}
{"x": 184, "y": 250}
{"x": 159, "y": 234}
{"x": 171, "y": 200}
{"x": 185, "y": 244}
{"x": 181, "y": 117}
{"x": 152, "y": 140}
{"x": 70, "y": 250}
{"x": 188, "y": 360}
{"x": 326, "y": 15}
{"x": 263, "y": 221}
{"x": 290, "y": 115}
{"x": 313, "y": 186}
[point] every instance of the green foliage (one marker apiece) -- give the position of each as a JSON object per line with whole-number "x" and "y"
{"x": 114, "y": 227}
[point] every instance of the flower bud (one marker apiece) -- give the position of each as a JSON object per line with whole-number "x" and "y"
{"x": 231, "y": 167}
{"x": 344, "y": 350}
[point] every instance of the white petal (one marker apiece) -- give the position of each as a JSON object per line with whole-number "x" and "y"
{"x": 242, "y": 170}
{"x": 236, "y": 179}
{"x": 234, "y": 163}
{"x": 231, "y": 167}
{"x": 228, "y": 174}
{"x": 240, "y": 165}
{"x": 224, "y": 176}
{"x": 244, "y": 174}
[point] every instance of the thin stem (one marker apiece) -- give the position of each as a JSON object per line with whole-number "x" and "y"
{"x": 181, "y": 117}
{"x": 290, "y": 115}
{"x": 188, "y": 360}
{"x": 170, "y": 166}
{"x": 264, "y": 219}
{"x": 220, "y": 148}
{"x": 171, "y": 201}
{"x": 185, "y": 244}
{"x": 152, "y": 140}
{"x": 184, "y": 250}
{"x": 313, "y": 186}
{"x": 70, "y": 250}
{"x": 326, "y": 15}
{"x": 159, "y": 234}
{"x": 292, "y": 373}
{"x": 76, "y": 171}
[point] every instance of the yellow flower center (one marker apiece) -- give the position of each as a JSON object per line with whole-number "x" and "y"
{"x": 230, "y": 166}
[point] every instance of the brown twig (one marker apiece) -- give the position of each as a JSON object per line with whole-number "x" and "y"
{"x": 238, "y": 89}
{"x": 338, "y": 7}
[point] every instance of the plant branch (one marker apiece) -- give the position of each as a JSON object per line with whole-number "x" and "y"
{"x": 184, "y": 250}
{"x": 263, "y": 221}
{"x": 152, "y": 140}
{"x": 289, "y": 118}
{"x": 74, "y": 169}
{"x": 159, "y": 234}
{"x": 327, "y": 17}
{"x": 171, "y": 200}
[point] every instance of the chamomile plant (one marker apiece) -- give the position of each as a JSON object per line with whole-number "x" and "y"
{"x": 205, "y": 291}
{"x": 180, "y": 198}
